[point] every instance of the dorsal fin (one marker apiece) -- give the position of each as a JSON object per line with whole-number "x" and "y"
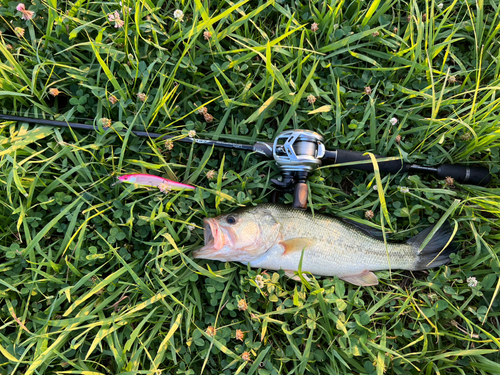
{"x": 366, "y": 229}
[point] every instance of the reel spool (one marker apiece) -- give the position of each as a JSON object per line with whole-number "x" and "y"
{"x": 297, "y": 153}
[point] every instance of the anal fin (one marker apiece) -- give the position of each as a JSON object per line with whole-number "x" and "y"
{"x": 365, "y": 278}
{"x": 293, "y": 276}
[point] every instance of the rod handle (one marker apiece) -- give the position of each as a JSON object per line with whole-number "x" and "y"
{"x": 344, "y": 156}
{"x": 466, "y": 175}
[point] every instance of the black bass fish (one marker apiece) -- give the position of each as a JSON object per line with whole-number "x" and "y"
{"x": 274, "y": 236}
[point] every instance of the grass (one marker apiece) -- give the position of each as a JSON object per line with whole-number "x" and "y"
{"x": 97, "y": 279}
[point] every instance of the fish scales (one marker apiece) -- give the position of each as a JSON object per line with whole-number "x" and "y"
{"x": 339, "y": 249}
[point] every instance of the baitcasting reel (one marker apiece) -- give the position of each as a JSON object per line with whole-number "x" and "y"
{"x": 297, "y": 153}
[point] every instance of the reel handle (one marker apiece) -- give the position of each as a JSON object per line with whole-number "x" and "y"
{"x": 300, "y": 196}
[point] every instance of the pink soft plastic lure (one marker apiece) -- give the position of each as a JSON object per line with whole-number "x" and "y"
{"x": 153, "y": 181}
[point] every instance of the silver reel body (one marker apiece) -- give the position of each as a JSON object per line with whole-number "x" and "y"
{"x": 301, "y": 151}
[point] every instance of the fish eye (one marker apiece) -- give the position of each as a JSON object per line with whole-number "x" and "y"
{"x": 231, "y": 220}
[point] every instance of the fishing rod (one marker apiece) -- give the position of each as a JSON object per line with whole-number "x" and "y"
{"x": 297, "y": 153}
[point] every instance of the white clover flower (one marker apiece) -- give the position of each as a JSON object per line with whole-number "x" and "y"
{"x": 375, "y": 187}
{"x": 259, "y": 280}
{"x": 208, "y": 117}
{"x": 178, "y": 15}
{"x": 404, "y": 190}
{"x": 239, "y": 335}
{"x": 472, "y": 282}
{"x": 27, "y": 14}
{"x": 190, "y": 227}
{"x": 142, "y": 97}
{"x": 242, "y": 305}
{"x": 393, "y": 121}
{"x": 211, "y": 174}
{"x": 54, "y": 92}
{"x": 169, "y": 145}
{"x": 115, "y": 17}
{"x": 440, "y": 6}
{"x": 192, "y": 133}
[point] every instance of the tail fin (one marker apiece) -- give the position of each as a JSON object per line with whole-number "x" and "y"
{"x": 433, "y": 247}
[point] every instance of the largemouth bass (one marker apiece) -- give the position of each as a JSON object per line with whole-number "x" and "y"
{"x": 274, "y": 237}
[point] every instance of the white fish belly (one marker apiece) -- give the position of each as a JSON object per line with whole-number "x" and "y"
{"x": 322, "y": 262}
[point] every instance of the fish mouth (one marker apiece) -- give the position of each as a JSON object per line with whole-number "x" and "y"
{"x": 214, "y": 240}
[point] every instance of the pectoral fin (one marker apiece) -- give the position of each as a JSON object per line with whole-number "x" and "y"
{"x": 365, "y": 278}
{"x": 297, "y": 244}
